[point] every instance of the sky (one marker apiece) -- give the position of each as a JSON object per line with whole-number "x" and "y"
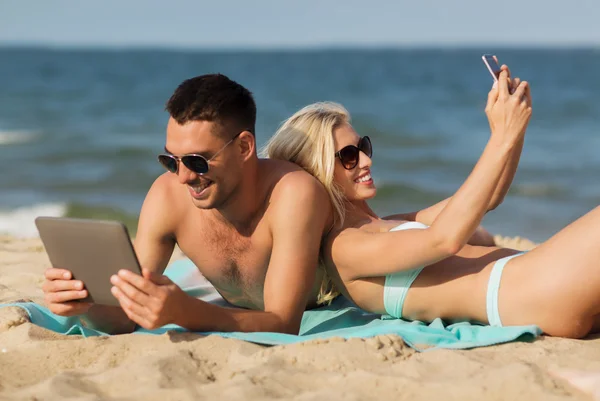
{"x": 298, "y": 24}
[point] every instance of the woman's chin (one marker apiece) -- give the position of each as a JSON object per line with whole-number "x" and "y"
{"x": 366, "y": 193}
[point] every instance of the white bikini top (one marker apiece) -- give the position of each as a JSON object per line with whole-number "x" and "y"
{"x": 408, "y": 225}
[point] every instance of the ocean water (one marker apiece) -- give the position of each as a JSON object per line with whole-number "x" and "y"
{"x": 80, "y": 129}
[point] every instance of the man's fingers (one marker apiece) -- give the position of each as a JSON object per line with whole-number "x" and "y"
{"x": 65, "y": 296}
{"x": 58, "y": 274}
{"x": 127, "y": 304}
{"x": 137, "y": 319}
{"x": 128, "y": 290}
{"x": 62, "y": 285}
{"x": 136, "y": 280}
{"x": 156, "y": 278}
{"x": 135, "y": 312}
{"x": 70, "y": 309}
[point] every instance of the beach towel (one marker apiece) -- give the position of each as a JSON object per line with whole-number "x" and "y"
{"x": 339, "y": 319}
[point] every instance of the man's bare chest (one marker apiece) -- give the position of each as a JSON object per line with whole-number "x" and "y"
{"x": 235, "y": 263}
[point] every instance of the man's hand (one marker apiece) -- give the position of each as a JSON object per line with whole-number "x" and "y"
{"x": 61, "y": 293}
{"x": 150, "y": 300}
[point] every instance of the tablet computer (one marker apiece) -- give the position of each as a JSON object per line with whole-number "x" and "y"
{"x": 93, "y": 250}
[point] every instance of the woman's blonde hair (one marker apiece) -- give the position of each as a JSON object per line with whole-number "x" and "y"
{"x": 306, "y": 139}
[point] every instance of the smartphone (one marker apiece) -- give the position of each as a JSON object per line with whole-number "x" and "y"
{"x": 492, "y": 65}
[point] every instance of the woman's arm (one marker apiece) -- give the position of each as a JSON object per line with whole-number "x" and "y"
{"x": 481, "y": 236}
{"x": 360, "y": 254}
{"x": 357, "y": 253}
{"x": 428, "y": 215}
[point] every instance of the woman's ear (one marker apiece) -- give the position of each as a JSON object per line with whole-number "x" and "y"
{"x": 247, "y": 144}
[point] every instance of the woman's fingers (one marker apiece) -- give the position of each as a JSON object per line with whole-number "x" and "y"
{"x": 492, "y": 97}
{"x": 503, "y": 84}
{"x": 514, "y": 84}
{"x": 520, "y": 91}
{"x": 528, "y": 95}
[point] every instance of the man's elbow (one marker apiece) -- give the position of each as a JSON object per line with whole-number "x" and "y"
{"x": 290, "y": 329}
{"x": 285, "y": 325}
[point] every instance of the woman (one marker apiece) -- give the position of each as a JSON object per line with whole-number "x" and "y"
{"x": 424, "y": 268}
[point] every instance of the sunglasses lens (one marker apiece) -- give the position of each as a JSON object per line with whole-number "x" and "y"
{"x": 365, "y": 146}
{"x": 168, "y": 162}
{"x": 197, "y": 164}
{"x": 349, "y": 157}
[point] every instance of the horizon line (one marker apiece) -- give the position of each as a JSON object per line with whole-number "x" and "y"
{"x": 306, "y": 47}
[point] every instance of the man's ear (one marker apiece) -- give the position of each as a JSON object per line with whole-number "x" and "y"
{"x": 247, "y": 144}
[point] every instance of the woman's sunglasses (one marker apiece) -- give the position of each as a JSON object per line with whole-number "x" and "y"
{"x": 350, "y": 154}
{"x": 198, "y": 164}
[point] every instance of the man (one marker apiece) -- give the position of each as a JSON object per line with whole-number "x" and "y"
{"x": 252, "y": 226}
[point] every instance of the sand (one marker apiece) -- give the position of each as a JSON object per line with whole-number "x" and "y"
{"x": 37, "y": 364}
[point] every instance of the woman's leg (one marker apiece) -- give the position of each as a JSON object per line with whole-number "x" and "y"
{"x": 556, "y": 285}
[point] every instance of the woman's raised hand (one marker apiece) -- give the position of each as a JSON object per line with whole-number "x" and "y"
{"x": 508, "y": 109}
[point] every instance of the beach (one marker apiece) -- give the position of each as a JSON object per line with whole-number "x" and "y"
{"x": 38, "y": 364}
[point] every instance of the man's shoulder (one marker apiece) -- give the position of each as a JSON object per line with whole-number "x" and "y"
{"x": 292, "y": 181}
{"x": 165, "y": 197}
{"x": 295, "y": 192}
{"x": 164, "y": 186}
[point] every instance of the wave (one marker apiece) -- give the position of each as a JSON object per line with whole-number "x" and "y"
{"x": 16, "y": 137}
{"x": 20, "y": 222}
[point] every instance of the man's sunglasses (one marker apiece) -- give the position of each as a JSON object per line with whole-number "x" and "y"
{"x": 350, "y": 154}
{"x": 196, "y": 163}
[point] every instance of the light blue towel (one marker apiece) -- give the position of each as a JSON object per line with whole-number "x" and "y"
{"x": 340, "y": 319}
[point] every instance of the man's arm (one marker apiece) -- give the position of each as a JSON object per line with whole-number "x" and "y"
{"x": 153, "y": 246}
{"x": 155, "y": 239}
{"x": 300, "y": 214}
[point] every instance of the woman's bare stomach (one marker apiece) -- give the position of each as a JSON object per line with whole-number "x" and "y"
{"x": 453, "y": 289}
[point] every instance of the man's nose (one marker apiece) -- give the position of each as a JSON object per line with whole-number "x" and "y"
{"x": 184, "y": 174}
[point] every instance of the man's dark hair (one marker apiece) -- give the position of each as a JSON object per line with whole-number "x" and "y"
{"x": 216, "y": 98}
